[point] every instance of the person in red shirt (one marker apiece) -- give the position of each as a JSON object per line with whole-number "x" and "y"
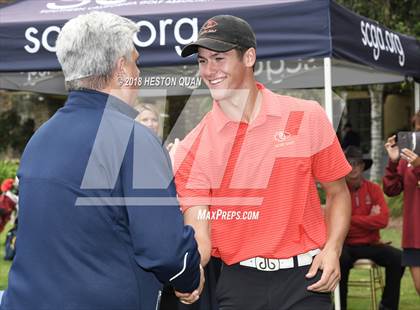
{"x": 8, "y": 201}
{"x": 369, "y": 214}
{"x": 404, "y": 176}
{"x": 246, "y": 179}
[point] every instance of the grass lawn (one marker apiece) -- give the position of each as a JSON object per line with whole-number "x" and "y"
{"x": 4, "y": 265}
{"x": 409, "y": 298}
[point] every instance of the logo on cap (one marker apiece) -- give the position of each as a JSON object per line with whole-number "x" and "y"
{"x": 209, "y": 27}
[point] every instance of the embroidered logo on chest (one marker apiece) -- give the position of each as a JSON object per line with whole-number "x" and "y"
{"x": 282, "y": 138}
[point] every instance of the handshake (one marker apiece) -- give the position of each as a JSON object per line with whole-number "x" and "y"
{"x": 190, "y": 298}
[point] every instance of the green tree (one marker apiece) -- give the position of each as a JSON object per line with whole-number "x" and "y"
{"x": 14, "y": 133}
{"x": 399, "y": 15}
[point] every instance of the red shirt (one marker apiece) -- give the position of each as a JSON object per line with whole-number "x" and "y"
{"x": 7, "y": 206}
{"x": 399, "y": 177}
{"x": 270, "y": 166}
{"x": 364, "y": 227}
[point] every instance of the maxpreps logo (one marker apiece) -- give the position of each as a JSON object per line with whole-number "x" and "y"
{"x": 381, "y": 41}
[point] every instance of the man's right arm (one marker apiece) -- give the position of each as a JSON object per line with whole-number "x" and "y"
{"x": 161, "y": 241}
{"x": 193, "y": 189}
{"x": 193, "y": 218}
{"x": 202, "y": 230}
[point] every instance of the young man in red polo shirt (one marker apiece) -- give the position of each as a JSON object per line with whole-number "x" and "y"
{"x": 369, "y": 214}
{"x": 246, "y": 181}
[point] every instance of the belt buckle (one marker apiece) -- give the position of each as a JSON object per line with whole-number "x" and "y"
{"x": 267, "y": 264}
{"x": 304, "y": 259}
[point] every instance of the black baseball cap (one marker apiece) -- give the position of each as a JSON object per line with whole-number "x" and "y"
{"x": 353, "y": 153}
{"x": 222, "y": 33}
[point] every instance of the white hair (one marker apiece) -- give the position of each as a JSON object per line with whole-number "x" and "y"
{"x": 89, "y": 45}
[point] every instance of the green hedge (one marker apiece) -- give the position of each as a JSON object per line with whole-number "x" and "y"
{"x": 8, "y": 169}
{"x": 395, "y": 205}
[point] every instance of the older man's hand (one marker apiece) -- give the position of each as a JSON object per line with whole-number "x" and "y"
{"x": 190, "y": 298}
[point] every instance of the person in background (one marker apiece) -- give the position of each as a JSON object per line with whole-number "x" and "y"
{"x": 8, "y": 200}
{"x": 9, "y": 207}
{"x": 369, "y": 214}
{"x": 99, "y": 222}
{"x": 402, "y": 175}
{"x": 148, "y": 116}
{"x": 350, "y": 137}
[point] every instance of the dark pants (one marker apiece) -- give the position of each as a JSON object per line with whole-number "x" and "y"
{"x": 207, "y": 299}
{"x": 383, "y": 255}
{"x": 245, "y": 288}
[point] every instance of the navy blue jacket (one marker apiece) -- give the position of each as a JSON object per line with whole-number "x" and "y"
{"x": 99, "y": 223}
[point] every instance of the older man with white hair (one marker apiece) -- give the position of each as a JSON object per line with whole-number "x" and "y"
{"x": 100, "y": 226}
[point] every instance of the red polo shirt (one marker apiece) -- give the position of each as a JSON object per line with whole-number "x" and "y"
{"x": 270, "y": 166}
{"x": 364, "y": 227}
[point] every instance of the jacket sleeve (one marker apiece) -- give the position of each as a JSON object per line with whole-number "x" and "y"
{"x": 373, "y": 222}
{"x": 392, "y": 181}
{"x": 162, "y": 244}
{"x": 416, "y": 171}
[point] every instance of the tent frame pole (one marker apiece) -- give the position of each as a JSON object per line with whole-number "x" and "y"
{"x": 416, "y": 97}
{"x": 329, "y": 111}
{"x": 328, "y": 89}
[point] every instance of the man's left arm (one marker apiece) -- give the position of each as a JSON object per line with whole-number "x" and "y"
{"x": 329, "y": 167}
{"x": 337, "y": 217}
